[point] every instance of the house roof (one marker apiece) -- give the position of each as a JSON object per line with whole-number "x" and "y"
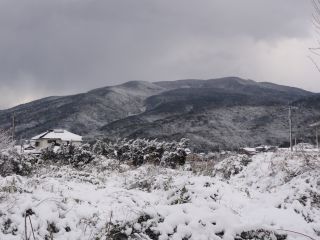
{"x": 64, "y": 135}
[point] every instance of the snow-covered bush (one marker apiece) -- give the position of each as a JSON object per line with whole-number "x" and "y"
{"x": 140, "y": 228}
{"x": 77, "y": 156}
{"x": 48, "y": 153}
{"x": 107, "y": 149}
{"x": 293, "y": 164}
{"x": 82, "y": 155}
{"x": 257, "y": 202}
{"x": 181, "y": 196}
{"x": 231, "y": 165}
{"x": 10, "y": 161}
{"x": 140, "y": 151}
{"x": 64, "y": 154}
{"x": 260, "y": 234}
{"x": 6, "y": 141}
{"x": 13, "y": 163}
{"x": 174, "y": 158}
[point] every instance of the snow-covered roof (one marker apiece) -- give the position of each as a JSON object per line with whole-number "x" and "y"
{"x": 249, "y": 149}
{"x": 64, "y": 135}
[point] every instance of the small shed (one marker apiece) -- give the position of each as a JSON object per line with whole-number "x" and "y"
{"x": 56, "y": 137}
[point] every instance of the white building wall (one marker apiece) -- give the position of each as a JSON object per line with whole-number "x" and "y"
{"x": 44, "y": 143}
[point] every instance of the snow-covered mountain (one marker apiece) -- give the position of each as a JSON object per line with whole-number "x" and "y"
{"x": 82, "y": 113}
{"x": 221, "y": 113}
{"x": 225, "y": 112}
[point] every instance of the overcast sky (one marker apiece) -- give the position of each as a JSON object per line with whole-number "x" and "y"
{"x": 61, "y": 47}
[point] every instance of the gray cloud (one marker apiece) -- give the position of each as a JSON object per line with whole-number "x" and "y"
{"x": 67, "y": 46}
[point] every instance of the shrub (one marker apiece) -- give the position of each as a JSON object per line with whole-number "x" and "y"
{"x": 175, "y": 158}
{"x": 260, "y": 234}
{"x": 6, "y": 141}
{"x": 136, "y": 152}
{"x": 140, "y": 151}
{"x": 82, "y": 155}
{"x": 77, "y": 156}
{"x": 48, "y": 153}
{"x": 231, "y": 165}
{"x": 14, "y": 163}
{"x": 106, "y": 149}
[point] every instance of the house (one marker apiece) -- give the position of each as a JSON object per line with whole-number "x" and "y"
{"x": 56, "y": 137}
{"x": 253, "y": 151}
{"x": 248, "y": 151}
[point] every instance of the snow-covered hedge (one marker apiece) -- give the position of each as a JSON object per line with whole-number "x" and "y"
{"x": 77, "y": 156}
{"x": 231, "y": 165}
{"x": 6, "y": 141}
{"x": 135, "y": 152}
{"x": 13, "y": 163}
{"x": 140, "y": 151}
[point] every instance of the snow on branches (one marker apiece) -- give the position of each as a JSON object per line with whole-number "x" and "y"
{"x": 140, "y": 151}
{"x": 6, "y": 141}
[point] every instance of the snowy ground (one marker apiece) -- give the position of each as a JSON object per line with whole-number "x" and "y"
{"x": 271, "y": 196}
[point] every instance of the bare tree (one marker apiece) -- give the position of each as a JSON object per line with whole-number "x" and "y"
{"x": 6, "y": 141}
{"x": 316, "y": 23}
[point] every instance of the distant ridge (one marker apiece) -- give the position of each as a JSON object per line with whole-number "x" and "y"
{"x": 224, "y": 112}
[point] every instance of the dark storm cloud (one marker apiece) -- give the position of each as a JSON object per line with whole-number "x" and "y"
{"x": 67, "y": 46}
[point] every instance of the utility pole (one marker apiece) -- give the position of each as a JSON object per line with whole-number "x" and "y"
{"x": 316, "y": 125}
{"x": 13, "y": 126}
{"x": 21, "y": 145}
{"x": 317, "y": 139}
{"x": 290, "y": 129}
{"x": 290, "y": 126}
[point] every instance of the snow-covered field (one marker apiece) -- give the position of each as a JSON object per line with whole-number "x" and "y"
{"x": 267, "y": 196}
